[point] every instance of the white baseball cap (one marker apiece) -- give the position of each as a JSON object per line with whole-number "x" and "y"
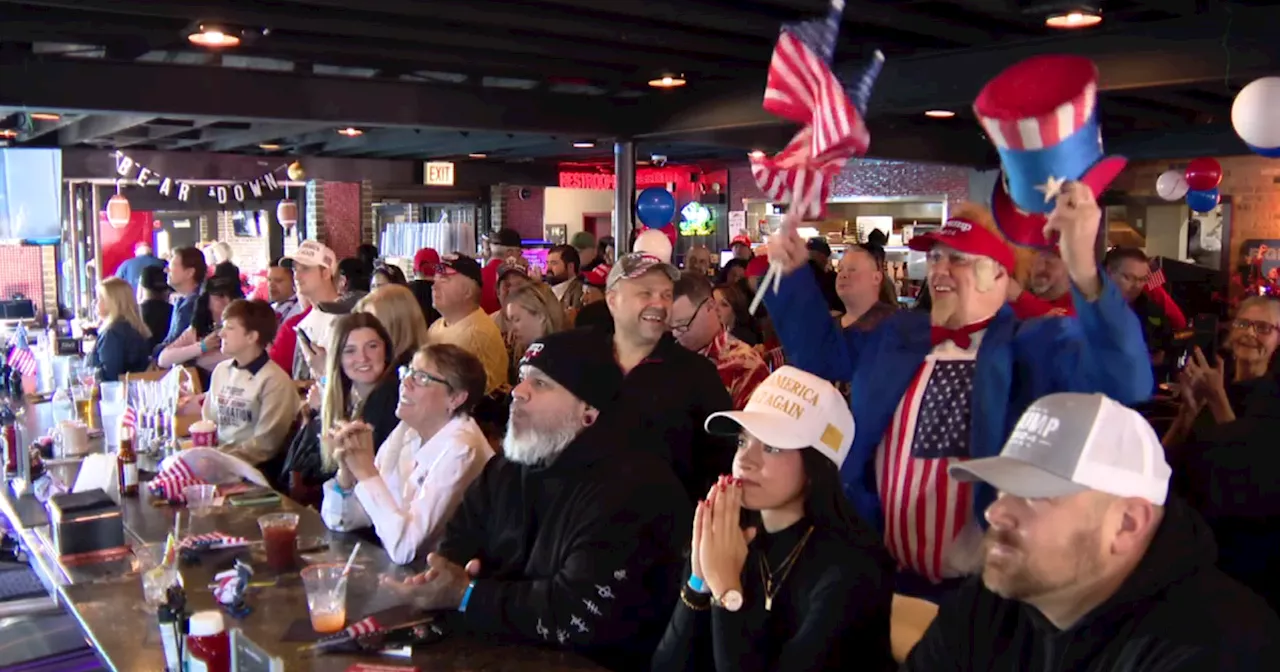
{"x": 793, "y": 409}
{"x": 1068, "y": 442}
{"x": 313, "y": 253}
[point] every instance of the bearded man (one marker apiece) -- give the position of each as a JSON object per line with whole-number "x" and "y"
{"x": 570, "y": 539}
{"x": 930, "y": 390}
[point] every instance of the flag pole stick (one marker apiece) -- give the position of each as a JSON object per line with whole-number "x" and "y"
{"x": 773, "y": 276}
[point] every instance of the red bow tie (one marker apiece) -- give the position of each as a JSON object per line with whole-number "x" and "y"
{"x": 961, "y": 336}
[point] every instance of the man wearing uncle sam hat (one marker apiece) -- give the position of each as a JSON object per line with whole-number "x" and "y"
{"x": 931, "y": 390}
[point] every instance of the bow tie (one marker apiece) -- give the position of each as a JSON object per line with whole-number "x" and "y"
{"x": 961, "y": 336}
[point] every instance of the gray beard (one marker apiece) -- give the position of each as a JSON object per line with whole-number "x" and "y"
{"x": 538, "y": 446}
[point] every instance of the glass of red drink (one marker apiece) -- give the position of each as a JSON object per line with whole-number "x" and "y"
{"x": 280, "y": 539}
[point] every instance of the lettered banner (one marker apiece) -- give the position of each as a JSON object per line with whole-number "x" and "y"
{"x": 132, "y": 171}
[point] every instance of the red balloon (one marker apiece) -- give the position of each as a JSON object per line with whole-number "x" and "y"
{"x": 1204, "y": 174}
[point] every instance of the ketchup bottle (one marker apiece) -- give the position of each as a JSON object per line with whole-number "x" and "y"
{"x": 208, "y": 645}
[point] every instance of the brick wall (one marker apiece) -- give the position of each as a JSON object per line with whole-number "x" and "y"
{"x": 367, "y": 233}
{"x": 871, "y": 177}
{"x": 315, "y": 212}
{"x": 22, "y": 271}
{"x": 523, "y": 215}
{"x": 1252, "y": 183}
{"x": 342, "y": 219}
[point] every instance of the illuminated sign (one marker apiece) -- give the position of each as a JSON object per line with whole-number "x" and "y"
{"x": 695, "y": 220}
{"x": 439, "y": 174}
{"x": 645, "y": 177}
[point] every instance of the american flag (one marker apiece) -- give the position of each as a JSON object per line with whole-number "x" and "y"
{"x": 20, "y": 356}
{"x": 213, "y": 540}
{"x": 169, "y": 483}
{"x": 1155, "y": 280}
{"x": 129, "y": 419}
{"x": 801, "y": 88}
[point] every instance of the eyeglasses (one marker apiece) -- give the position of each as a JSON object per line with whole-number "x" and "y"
{"x": 953, "y": 257}
{"x": 421, "y": 378}
{"x": 681, "y": 327}
{"x": 1258, "y": 326}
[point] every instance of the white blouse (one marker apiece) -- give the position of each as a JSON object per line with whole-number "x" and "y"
{"x": 418, "y": 487}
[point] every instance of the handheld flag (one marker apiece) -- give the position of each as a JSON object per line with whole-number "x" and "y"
{"x": 21, "y": 358}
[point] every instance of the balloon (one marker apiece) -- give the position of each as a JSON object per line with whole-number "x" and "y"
{"x": 1204, "y": 174}
{"x": 1203, "y": 201}
{"x": 656, "y": 242}
{"x": 655, "y": 207}
{"x": 1172, "y": 185}
{"x": 1253, "y": 116}
{"x": 118, "y": 211}
{"x": 296, "y": 172}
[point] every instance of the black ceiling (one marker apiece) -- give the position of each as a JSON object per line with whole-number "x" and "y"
{"x": 523, "y": 80}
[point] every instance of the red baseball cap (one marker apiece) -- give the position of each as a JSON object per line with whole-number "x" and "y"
{"x": 740, "y": 239}
{"x": 598, "y": 276}
{"x": 424, "y": 262}
{"x": 969, "y": 237}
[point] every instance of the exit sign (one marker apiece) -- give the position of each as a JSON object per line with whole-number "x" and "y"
{"x": 439, "y": 174}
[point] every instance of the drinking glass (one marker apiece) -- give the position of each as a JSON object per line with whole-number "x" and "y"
{"x": 82, "y": 395}
{"x": 157, "y": 577}
{"x": 280, "y": 539}
{"x": 326, "y": 597}
{"x": 200, "y": 499}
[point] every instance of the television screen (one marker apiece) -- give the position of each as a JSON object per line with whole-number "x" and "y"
{"x": 31, "y": 195}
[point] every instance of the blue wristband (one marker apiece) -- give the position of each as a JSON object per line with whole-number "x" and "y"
{"x": 340, "y": 490}
{"x": 466, "y": 597}
{"x": 697, "y": 584}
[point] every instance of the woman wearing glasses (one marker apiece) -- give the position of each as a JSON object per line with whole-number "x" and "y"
{"x": 1215, "y": 392}
{"x": 409, "y": 490}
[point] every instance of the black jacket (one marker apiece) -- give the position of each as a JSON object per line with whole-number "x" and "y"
{"x": 584, "y": 553}
{"x": 831, "y": 612}
{"x": 157, "y": 314}
{"x": 1175, "y": 612}
{"x": 661, "y": 409}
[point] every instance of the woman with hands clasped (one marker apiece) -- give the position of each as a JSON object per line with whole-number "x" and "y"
{"x": 783, "y": 574}
{"x": 1213, "y": 394}
{"x": 410, "y": 489}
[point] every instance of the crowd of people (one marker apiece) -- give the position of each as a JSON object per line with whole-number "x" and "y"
{"x": 616, "y": 457}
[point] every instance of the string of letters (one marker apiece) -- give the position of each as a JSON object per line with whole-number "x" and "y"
{"x": 130, "y": 170}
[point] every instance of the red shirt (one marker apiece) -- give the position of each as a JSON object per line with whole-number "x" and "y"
{"x": 1028, "y": 305}
{"x": 741, "y": 368}
{"x": 285, "y": 346}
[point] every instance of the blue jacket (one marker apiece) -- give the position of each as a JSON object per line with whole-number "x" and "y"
{"x": 130, "y": 270}
{"x": 120, "y": 349}
{"x": 1099, "y": 350}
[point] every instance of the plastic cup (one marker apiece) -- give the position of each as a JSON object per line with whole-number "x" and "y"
{"x": 326, "y": 597}
{"x": 112, "y": 393}
{"x": 200, "y": 499}
{"x": 280, "y": 539}
{"x": 204, "y": 434}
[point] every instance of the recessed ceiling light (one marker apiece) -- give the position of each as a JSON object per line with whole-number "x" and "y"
{"x": 477, "y": 155}
{"x": 269, "y": 146}
{"x": 1079, "y": 18}
{"x": 584, "y": 144}
{"x": 350, "y": 132}
{"x": 213, "y": 36}
{"x": 757, "y": 154}
{"x": 940, "y": 114}
{"x": 668, "y": 81}
{"x": 45, "y": 116}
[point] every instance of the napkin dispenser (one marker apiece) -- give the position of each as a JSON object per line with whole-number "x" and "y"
{"x": 85, "y": 522}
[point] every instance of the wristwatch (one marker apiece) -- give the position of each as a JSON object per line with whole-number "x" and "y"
{"x": 730, "y": 600}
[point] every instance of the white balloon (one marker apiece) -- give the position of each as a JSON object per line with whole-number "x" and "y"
{"x": 1172, "y": 185}
{"x": 1253, "y": 114}
{"x": 654, "y": 242}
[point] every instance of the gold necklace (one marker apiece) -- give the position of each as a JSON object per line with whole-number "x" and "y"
{"x": 766, "y": 576}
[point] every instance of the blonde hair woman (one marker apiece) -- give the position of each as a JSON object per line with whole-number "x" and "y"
{"x": 531, "y": 312}
{"x": 123, "y": 344}
{"x": 398, "y": 310}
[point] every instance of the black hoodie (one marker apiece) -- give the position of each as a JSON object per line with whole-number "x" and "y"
{"x": 1175, "y": 612}
{"x": 585, "y": 553}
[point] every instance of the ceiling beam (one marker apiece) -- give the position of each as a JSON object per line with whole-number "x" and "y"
{"x": 894, "y": 17}
{"x": 1178, "y": 52}
{"x": 247, "y": 95}
{"x": 1208, "y": 140}
{"x": 100, "y": 126}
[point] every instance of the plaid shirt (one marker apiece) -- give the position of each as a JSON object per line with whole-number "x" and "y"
{"x": 741, "y": 368}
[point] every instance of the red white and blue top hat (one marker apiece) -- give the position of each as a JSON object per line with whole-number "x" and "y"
{"x": 1041, "y": 115}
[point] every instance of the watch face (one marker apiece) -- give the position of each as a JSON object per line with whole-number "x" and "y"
{"x": 731, "y": 600}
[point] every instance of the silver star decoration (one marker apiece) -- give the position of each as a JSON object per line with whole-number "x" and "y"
{"x": 1051, "y": 187}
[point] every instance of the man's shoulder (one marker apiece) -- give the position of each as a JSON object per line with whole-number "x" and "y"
{"x": 1215, "y": 609}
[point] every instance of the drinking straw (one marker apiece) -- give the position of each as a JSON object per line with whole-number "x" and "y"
{"x": 346, "y": 569}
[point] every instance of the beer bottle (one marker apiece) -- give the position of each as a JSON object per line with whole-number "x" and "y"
{"x": 127, "y": 464}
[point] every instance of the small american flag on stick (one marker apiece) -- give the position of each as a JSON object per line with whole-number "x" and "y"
{"x": 801, "y": 88}
{"x": 21, "y": 358}
{"x": 1156, "y": 279}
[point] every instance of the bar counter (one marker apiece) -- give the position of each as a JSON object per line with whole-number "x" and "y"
{"x": 106, "y": 597}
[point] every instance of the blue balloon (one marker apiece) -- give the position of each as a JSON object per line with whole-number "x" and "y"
{"x": 655, "y": 207}
{"x": 1203, "y": 201}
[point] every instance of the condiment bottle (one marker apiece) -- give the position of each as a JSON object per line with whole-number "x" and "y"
{"x": 208, "y": 647}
